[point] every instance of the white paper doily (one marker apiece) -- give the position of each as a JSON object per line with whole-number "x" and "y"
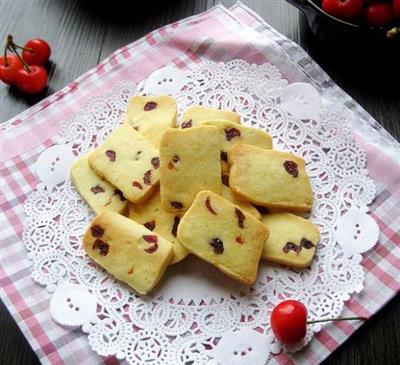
{"x": 195, "y": 310}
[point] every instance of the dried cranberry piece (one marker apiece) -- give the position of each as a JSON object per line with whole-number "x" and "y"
{"x": 102, "y": 246}
{"x": 150, "y": 105}
{"x": 231, "y": 133}
{"x": 290, "y": 246}
{"x": 209, "y": 207}
{"x": 174, "y": 229}
{"x": 119, "y": 193}
{"x": 170, "y": 165}
{"x": 152, "y": 248}
{"x": 150, "y": 225}
{"x": 177, "y": 205}
{"x": 150, "y": 238}
{"x": 291, "y": 168}
{"x": 307, "y": 244}
{"x": 111, "y": 155}
{"x": 239, "y": 240}
{"x": 175, "y": 159}
{"x": 240, "y": 217}
{"x": 147, "y": 177}
{"x": 137, "y": 184}
{"x": 155, "y": 161}
{"x": 97, "y": 231}
{"x": 224, "y": 156}
{"x": 186, "y": 124}
{"x": 218, "y": 245}
{"x": 97, "y": 189}
{"x": 225, "y": 180}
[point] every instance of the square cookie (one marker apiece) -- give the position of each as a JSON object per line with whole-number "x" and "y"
{"x": 272, "y": 179}
{"x": 97, "y": 192}
{"x": 190, "y": 163}
{"x": 222, "y": 234}
{"x": 127, "y": 250}
{"x": 129, "y": 162}
{"x": 232, "y": 134}
{"x": 292, "y": 240}
{"x": 156, "y": 219}
{"x": 196, "y": 114}
{"x": 244, "y": 205}
{"x": 151, "y": 116}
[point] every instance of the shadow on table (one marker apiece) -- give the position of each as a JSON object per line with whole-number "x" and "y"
{"x": 120, "y": 11}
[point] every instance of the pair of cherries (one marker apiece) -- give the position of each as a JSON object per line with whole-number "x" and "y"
{"x": 25, "y": 71}
{"x": 289, "y": 321}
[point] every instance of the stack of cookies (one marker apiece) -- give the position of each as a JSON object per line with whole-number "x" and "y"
{"x": 162, "y": 191}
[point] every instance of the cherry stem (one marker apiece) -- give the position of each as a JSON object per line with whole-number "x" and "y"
{"x": 5, "y": 55}
{"x": 339, "y": 319}
{"x": 12, "y": 46}
{"x": 23, "y": 48}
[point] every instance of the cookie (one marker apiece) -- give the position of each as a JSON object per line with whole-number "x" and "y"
{"x": 225, "y": 236}
{"x": 232, "y": 134}
{"x": 129, "y": 162}
{"x": 292, "y": 240}
{"x": 244, "y": 205}
{"x": 272, "y": 179}
{"x": 189, "y": 164}
{"x": 196, "y": 114}
{"x": 156, "y": 219}
{"x": 97, "y": 192}
{"x": 127, "y": 250}
{"x": 151, "y": 116}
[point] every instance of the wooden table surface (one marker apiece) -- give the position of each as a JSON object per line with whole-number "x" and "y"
{"x": 82, "y": 33}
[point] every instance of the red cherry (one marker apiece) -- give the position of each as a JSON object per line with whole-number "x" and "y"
{"x": 37, "y": 52}
{"x": 31, "y": 82}
{"x": 378, "y": 15}
{"x": 7, "y": 73}
{"x": 396, "y": 8}
{"x": 289, "y": 321}
{"x": 343, "y": 9}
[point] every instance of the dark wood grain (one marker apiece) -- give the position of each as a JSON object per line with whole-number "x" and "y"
{"x": 83, "y": 32}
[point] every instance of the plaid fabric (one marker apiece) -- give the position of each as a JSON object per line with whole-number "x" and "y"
{"x": 219, "y": 35}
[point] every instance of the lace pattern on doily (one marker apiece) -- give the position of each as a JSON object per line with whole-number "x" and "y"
{"x": 185, "y": 323}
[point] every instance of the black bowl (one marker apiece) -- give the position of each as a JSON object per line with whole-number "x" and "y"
{"x": 330, "y": 29}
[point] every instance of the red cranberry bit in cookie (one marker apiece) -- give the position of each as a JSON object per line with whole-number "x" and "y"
{"x": 150, "y": 225}
{"x": 174, "y": 229}
{"x": 147, "y": 177}
{"x": 225, "y": 180}
{"x": 240, "y": 217}
{"x": 155, "y": 161}
{"x": 290, "y": 246}
{"x": 97, "y": 231}
{"x": 137, "y": 184}
{"x": 152, "y": 248}
{"x": 111, "y": 155}
{"x": 101, "y": 246}
{"x": 291, "y": 168}
{"x": 231, "y": 133}
{"x": 224, "y": 156}
{"x": 186, "y": 124}
{"x": 150, "y": 238}
{"x": 209, "y": 207}
{"x": 307, "y": 244}
{"x": 150, "y": 105}
{"x": 218, "y": 245}
{"x": 239, "y": 240}
{"x": 119, "y": 193}
{"x": 177, "y": 205}
{"x": 97, "y": 189}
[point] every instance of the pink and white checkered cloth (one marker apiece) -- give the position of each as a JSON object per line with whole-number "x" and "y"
{"x": 220, "y": 35}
